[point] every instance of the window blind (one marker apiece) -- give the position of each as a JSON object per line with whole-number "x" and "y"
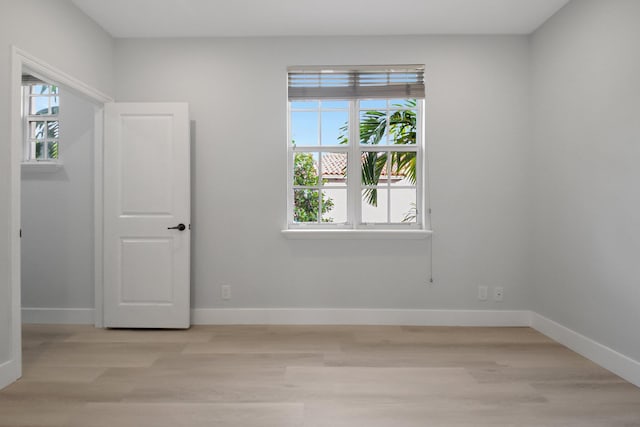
{"x": 28, "y": 79}
{"x": 356, "y": 83}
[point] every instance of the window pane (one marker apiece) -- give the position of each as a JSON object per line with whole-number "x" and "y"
{"x": 402, "y": 104}
{"x": 402, "y": 127}
{"x": 55, "y": 102}
{"x": 52, "y": 149}
{"x": 39, "y": 150}
{"x": 334, "y": 127}
{"x": 306, "y": 105}
{"x": 304, "y": 128}
{"x": 373, "y": 104}
{"x": 374, "y": 204}
{"x": 53, "y": 129}
{"x": 373, "y": 127}
{"x": 388, "y": 124}
{"x": 389, "y": 191}
{"x": 37, "y": 130}
{"x": 403, "y": 167}
{"x": 374, "y": 167}
{"x": 334, "y": 204}
{"x": 54, "y": 89}
{"x": 39, "y": 89}
{"x": 39, "y": 105}
{"x": 403, "y": 205}
{"x": 334, "y": 169}
{"x": 336, "y": 104}
{"x": 305, "y": 205}
{"x": 305, "y": 169}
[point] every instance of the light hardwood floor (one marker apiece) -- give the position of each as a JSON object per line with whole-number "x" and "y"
{"x": 312, "y": 376}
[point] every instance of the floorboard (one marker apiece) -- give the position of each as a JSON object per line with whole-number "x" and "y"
{"x": 311, "y": 376}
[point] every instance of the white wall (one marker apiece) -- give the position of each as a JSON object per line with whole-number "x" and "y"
{"x": 477, "y": 126}
{"x": 57, "y": 217}
{"x": 586, "y": 152}
{"x": 72, "y": 43}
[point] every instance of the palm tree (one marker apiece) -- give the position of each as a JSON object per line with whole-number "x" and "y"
{"x": 401, "y": 127}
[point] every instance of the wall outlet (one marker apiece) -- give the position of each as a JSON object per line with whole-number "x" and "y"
{"x": 225, "y": 290}
{"x": 482, "y": 293}
{"x": 498, "y": 293}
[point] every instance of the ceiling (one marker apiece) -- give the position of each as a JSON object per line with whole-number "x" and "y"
{"x": 232, "y": 18}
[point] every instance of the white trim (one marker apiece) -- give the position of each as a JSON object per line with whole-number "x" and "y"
{"x": 358, "y": 316}
{"x": 15, "y": 155}
{"x": 608, "y": 358}
{"x": 49, "y": 73}
{"x": 98, "y": 215}
{"x": 40, "y": 167}
{"x": 64, "y": 316}
{"x": 351, "y": 234}
{"x": 8, "y": 373}
{"x": 23, "y": 61}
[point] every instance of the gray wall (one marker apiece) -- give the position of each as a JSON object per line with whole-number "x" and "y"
{"x": 57, "y": 217}
{"x": 477, "y": 132}
{"x": 76, "y": 45}
{"x": 586, "y": 199}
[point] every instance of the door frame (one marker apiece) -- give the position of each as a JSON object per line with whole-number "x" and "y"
{"x": 23, "y": 61}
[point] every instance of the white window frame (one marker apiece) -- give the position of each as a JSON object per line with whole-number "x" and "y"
{"x": 29, "y": 161}
{"x": 354, "y": 186}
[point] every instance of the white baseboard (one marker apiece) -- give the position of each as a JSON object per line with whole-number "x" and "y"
{"x": 618, "y": 363}
{"x": 8, "y": 373}
{"x": 358, "y": 316}
{"x": 79, "y": 316}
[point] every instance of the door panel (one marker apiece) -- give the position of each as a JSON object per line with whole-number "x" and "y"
{"x": 147, "y": 285}
{"x": 147, "y": 164}
{"x": 146, "y": 191}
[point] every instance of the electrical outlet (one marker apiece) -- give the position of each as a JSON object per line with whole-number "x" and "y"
{"x": 482, "y": 293}
{"x": 225, "y": 291}
{"x": 498, "y": 293}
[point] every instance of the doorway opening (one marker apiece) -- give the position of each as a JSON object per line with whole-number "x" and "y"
{"x": 25, "y": 64}
{"x": 57, "y": 174}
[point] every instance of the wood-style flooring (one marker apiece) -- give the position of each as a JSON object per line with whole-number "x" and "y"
{"x": 312, "y": 376}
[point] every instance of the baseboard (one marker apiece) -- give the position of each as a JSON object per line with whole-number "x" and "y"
{"x": 618, "y": 363}
{"x": 358, "y": 316}
{"x": 79, "y": 316}
{"x": 8, "y": 373}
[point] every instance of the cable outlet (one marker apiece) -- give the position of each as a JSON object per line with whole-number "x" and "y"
{"x": 482, "y": 293}
{"x": 498, "y": 293}
{"x": 225, "y": 290}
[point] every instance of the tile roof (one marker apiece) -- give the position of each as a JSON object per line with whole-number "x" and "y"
{"x": 334, "y": 165}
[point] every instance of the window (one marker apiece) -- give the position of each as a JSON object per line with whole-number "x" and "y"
{"x": 41, "y": 106}
{"x": 355, "y": 147}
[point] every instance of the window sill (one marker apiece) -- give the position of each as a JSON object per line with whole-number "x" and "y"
{"x": 324, "y": 234}
{"x": 41, "y": 167}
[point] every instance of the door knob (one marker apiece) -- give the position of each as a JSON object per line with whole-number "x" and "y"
{"x": 180, "y": 227}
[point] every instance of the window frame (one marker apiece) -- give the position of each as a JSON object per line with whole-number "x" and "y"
{"x": 28, "y": 157}
{"x": 354, "y": 187}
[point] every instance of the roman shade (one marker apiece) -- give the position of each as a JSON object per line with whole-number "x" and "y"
{"x": 28, "y": 79}
{"x": 402, "y": 81}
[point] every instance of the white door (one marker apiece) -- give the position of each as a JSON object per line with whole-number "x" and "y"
{"x": 146, "y": 215}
